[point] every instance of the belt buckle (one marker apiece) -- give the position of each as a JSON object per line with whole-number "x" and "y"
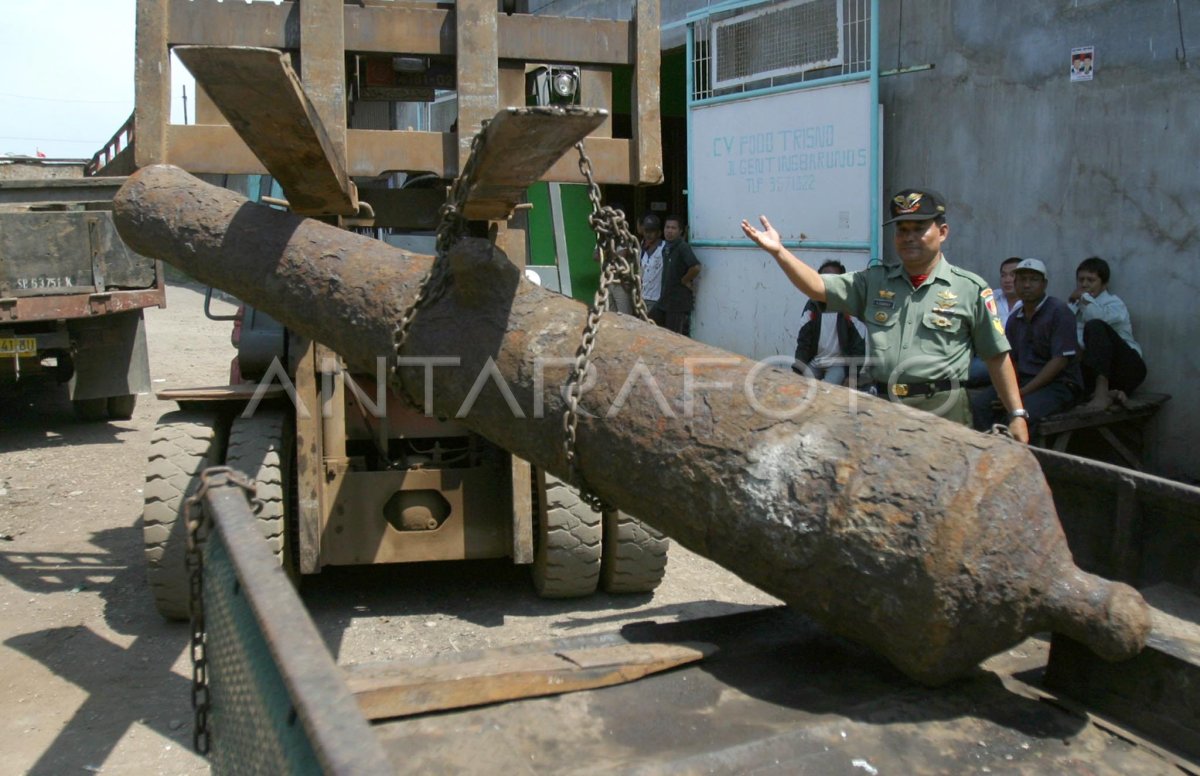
{"x": 900, "y": 389}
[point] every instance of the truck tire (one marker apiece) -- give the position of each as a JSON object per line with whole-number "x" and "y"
{"x": 566, "y": 541}
{"x": 262, "y": 447}
{"x": 184, "y": 444}
{"x": 634, "y": 559}
{"x": 90, "y": 410}
{"x": 121, "y": 407}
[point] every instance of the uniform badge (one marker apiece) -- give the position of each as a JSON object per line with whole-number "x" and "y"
{"x": 881, "y": 317}
{"x": 944, "y": 309}
{"x": 907, "y": 203}
{"x": 990, "y": 303}
{"x": 948, "y": 297}
{"x": 888, "y": 303}
{"x": 985, "y": 293}
{"x": 940, "y": 321}
{"x": 997, "y": 325}
{"x": 883, "y": 292}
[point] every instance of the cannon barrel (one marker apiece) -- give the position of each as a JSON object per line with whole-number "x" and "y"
{"x": 933, "y": 544}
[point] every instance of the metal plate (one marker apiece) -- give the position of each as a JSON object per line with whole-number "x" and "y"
{"x": 18, "y": 346}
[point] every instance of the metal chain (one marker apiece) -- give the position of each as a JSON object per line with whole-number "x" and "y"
{"x": 197, "y": 533}
{"x": 999, "y": 429}
{"x": 452, "y": 224}
{"x": 619, "y": 255}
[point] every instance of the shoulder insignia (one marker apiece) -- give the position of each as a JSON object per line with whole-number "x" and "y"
{"x": 986, "y": 293}
{"x": 979, "y": 282}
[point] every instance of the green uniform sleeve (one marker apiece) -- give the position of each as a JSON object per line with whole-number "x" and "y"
{"x": 846, "y": 293}
{"x": 987, "y": 330}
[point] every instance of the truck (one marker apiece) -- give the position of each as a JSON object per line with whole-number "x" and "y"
{"x": 368, "y": 132}
{"x": 72, "y": 294}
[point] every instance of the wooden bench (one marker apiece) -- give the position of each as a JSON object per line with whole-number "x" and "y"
{"x": 1055, "y": 431}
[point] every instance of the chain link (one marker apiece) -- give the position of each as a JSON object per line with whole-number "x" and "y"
{"x": 452, "y": 224}
{"x": 999, "y": 429}
{"x": 619, "y": 255}
{"x": 197, "y": 534}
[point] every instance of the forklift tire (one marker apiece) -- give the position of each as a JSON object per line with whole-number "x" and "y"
{"x": 121, "y": 407}
{"x": 262, "y": 447}
{"x": 90, "y": 410}
{"x": 184, "y": 444}
{"x": 635, "y": 555}
{"x": 567, "y": 540}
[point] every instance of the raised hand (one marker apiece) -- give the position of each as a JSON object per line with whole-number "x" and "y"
{"x": 766, "y": 238}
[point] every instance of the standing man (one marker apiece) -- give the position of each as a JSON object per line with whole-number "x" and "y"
{"x": 651, "y": 260}
{"x": 1041, "y": 329}
{"x": 680, "y": 268}
{"x": 923, "y": 316}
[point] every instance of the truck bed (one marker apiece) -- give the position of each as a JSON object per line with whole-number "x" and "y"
{"x": 778, "y": 696}
{"x": 764, "y": 691}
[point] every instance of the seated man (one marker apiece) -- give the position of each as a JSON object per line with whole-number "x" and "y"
{"x": 1112, "y": 358}
{"x": 1041, "y": 332}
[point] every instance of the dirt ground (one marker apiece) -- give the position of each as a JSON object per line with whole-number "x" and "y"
{"x": 93, "y": 680}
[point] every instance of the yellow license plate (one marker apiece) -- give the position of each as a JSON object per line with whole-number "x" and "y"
{"x": 18, "y": 346}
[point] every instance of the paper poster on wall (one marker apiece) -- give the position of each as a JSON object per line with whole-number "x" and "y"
{"x": 803, "y": 158}
{"x": 1083, "y": 62}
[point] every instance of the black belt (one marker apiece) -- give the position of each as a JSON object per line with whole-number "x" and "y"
{"x": 916, "y": 390}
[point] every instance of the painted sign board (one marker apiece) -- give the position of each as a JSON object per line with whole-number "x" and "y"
{"x": 802, "y": 157}
{"x": 746, "y": 305}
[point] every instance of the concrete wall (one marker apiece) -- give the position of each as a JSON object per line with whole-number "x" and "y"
{"x": 1035, "y": 165}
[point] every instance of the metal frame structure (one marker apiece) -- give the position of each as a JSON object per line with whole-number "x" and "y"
{"x": 274, "y": 95}
{"x": 491, "y": 51}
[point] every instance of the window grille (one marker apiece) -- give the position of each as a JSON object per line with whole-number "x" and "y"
{"x": 773, "y": 45}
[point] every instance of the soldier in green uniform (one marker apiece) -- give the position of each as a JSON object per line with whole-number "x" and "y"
{"x": 924, "y": 316}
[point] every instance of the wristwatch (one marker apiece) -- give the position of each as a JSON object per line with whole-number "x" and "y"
{"x": 1018, "y": 414}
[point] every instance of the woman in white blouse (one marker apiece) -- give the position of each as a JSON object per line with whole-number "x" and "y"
{"x": 1111, "y": 357}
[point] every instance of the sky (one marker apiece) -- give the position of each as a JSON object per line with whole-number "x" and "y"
{"x": 66, "y": 76}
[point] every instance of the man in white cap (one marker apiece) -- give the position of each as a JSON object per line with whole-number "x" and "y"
{"x": 1041, "y": 331}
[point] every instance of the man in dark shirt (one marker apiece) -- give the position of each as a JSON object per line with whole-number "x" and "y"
{"x": 1041, "y": 332}
{"x": 680, "y": 268}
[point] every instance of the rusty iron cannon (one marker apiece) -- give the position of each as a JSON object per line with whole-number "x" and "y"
{"x": 933, "y": 544}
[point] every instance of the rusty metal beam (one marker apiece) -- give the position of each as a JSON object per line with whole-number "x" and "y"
{"x": 933, "y": 544}
{"x": 404, "y": 30}
{"x": 323, "y": 73}
{"x": 52, "y": 308}
{"x": 259, "y": 94}
{"x": 218, "y": 149}
{"x": 152, "y": 83}
{"x": 478, "y": 69}
{"x": 647, "y": 113}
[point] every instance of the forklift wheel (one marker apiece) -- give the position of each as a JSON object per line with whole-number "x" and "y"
{"x": 567, "y": 539}
{"x": 261, "y": 447}
{"x": 184, "y": 444}
{"x": 635, "y": 555}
